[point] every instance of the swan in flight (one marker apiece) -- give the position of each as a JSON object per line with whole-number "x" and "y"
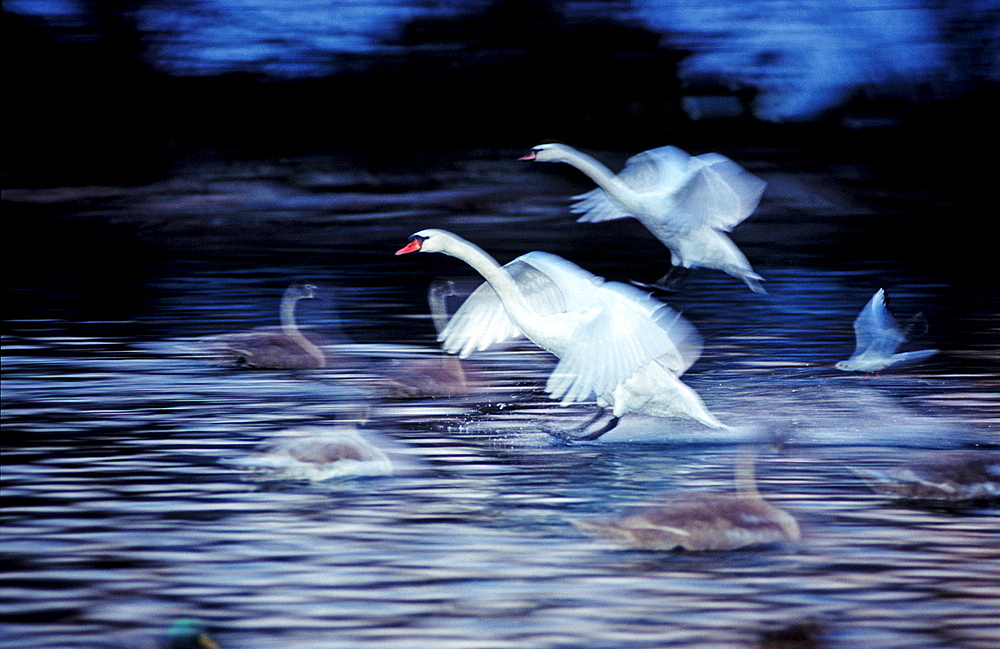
{"x": 700, "y": 521}
{"x": 688, "y": 203}
{"x": 612, "y": 340}
{"x": 284, "y": 349}
{"x": 878, "y": 338}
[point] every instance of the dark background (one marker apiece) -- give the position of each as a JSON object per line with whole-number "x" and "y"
{"x": 92, "y": 101}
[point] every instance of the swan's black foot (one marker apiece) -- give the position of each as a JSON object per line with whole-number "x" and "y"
{"x": 581, "y": 433}
{"x": 600, "y": 431}
{"x": 597, "y": 432}
{"x": 672, "y": 280}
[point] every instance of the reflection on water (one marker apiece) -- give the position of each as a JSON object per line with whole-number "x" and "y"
{"x": 124, "y": 505}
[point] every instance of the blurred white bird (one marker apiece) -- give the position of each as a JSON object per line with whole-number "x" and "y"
{"x": 612, "y": 340}
{"x": 878, "y": 338}
{"x": 688, "y": 203}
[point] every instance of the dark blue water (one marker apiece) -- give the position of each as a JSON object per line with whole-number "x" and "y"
{"x": 125, "y": 504}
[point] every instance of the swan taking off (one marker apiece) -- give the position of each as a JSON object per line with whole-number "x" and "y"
{"x": 284, "y": 349}
{"x": 688, "y": 203}
{"x": 612, "y": 340}
{"x": 878, "y": 338}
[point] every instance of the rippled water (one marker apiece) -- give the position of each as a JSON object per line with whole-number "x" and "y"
{"x": 122, "y": 509}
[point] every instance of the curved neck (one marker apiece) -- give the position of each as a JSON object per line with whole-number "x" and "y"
{"x": 291, "y": 328}
{"x": 506, "y": 288}
{"x": 601, "y": 175}
{"x": 437, "y": 297}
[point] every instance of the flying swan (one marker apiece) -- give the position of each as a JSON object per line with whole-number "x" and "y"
{"x": 688, "y": 203}
{"x": 612, "y": 340}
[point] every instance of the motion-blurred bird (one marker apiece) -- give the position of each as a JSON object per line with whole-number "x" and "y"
{"x": 318, "y": 454}
{"x": 700, "y": 521}
{"x": 184, "y": 633}
{"x": 287, "y": 348}
{"x": 940, "y": 477}
{"x": 878, "y": 337}
{"x": 613, "y": 341}
{"x": 443, "y": 375}
{"x": 688, "y": 203}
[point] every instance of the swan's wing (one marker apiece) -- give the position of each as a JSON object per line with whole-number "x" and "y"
{"x": 482, "y": 321}
{"x": 596, "y": 206}
{"x": 575, "y": 286}
{"x": 660, "y": 169}
{"x": 875, "y": 328}
{"x": 629, "y": 331}
{"x": 657, "y": 170}
{"x": 719, "y": 193}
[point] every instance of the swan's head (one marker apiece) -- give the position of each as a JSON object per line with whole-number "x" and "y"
{"x": 548, "y": 153}
{"x": 427, "y": 241}
{"x": 301, "y": 291}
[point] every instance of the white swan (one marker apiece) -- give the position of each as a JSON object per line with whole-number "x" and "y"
{"x": 878, "y": 337}
{"x": 284, "y": 349}
{"x": 612, "y": 340}
{"x": 688, "y": 203}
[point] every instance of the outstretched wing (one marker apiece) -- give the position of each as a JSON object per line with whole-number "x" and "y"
{"x": 661, "y": 169}
{"x": 719, "y": 193}
{"x": 611, "y": 329}
{"x": 482, "y": 321}
{"x": 630, "y": 329}
{"x": 876, "y": 329}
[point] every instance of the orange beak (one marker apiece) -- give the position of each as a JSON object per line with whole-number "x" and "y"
{"x": 413, "y": 246}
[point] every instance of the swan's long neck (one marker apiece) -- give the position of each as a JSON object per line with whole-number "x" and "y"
{"x": 291, "y": 328}
{"x": 498, "y": 277}
{"x": 437, "y": 297}
{"x": 601, "y": 175}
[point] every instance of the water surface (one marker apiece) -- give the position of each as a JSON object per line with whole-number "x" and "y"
{"x": 122, "y": 509}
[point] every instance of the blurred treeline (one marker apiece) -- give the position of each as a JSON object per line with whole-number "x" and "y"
{"x": 86, "y": 104}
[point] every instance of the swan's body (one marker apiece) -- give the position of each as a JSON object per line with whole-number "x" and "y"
{"x": 686, "y": 202}
{"x": 700, "y": 521}
{"x": 286, "y": 348}
{"x": 441, "y": 376}
{"x": 942, "y": 477}
{"x": 613, "y": 341}
{"x": 878, "y": 337}
{"x": 317, "y": 455}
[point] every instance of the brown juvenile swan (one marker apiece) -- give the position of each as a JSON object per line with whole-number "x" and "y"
{"x": 286, "y": 348}
{"x": 430, "y": 378}
{"x": 700, "y": 521}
